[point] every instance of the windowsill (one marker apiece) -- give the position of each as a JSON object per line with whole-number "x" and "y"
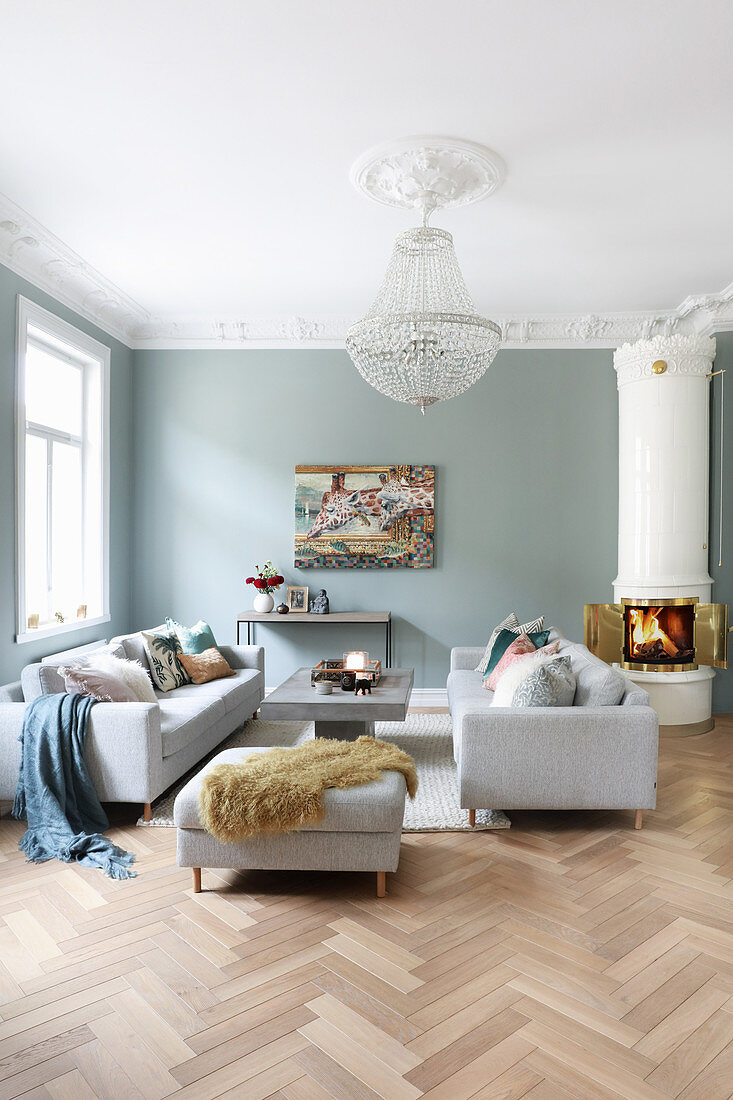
{"x": 61, "y": 628}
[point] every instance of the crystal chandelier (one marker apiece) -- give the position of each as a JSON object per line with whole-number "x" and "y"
{"x": 422, "y": 341}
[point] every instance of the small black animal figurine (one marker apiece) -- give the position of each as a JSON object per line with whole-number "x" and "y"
{"x": 364, "y": 686}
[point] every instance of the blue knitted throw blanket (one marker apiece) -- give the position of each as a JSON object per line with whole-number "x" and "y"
{"x": 55, "y": 794}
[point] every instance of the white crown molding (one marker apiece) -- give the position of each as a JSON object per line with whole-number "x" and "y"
{"x": 36, "y": 254}
{"x": 254, "y": 332}
{"x": 710, "y": 313}
{"x": 33, "y": 252}
{"x": 560, "y": 331}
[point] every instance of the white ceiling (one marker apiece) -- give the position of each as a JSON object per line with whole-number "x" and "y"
{"x": 197, "y": 153}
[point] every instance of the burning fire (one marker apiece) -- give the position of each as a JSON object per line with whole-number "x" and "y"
{"x": 645, "y": 630}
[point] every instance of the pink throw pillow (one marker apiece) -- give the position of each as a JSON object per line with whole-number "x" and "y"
{"x": 102, "y": 686}
{"x": 516, "y": 651}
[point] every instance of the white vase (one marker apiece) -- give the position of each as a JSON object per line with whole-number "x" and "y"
{"x": 263, "y": 602}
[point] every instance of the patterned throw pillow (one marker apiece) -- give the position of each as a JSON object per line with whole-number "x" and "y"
{"x": 550, "y": 685}
{"x": 512, "y": 677}
{"x": 516, "y": 651}
{"x": 209, "y": 665}
{"x": 162, "y": 652}
{"x": 193, "y": 639}
{"x": 506, "y": 637}
{"x": 518, "y": 648}
{"x": 511, "y": 623}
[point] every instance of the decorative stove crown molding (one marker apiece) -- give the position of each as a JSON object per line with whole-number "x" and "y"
{"x": 33, "y": 252}
{"x": 681, "y": 353}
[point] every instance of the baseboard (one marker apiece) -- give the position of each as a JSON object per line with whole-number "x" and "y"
{"x": 421, "y": 697}
{"x": 429, "y": 697}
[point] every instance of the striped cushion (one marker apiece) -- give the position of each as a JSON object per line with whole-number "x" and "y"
{"x": 510, "y": 623}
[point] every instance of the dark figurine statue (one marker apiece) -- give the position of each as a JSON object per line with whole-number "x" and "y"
{"x": 319, "y": 604}
{"x": 364, "y": 686}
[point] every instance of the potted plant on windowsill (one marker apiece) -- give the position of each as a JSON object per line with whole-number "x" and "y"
{"x": 266, "y": 581}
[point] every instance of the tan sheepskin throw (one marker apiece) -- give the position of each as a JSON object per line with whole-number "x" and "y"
{"x": 282, "y": 790}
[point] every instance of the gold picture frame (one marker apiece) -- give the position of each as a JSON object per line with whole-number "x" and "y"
{"x": 296, "y": 597}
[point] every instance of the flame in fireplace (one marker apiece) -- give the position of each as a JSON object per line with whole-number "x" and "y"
{"x": 645, "y": 630}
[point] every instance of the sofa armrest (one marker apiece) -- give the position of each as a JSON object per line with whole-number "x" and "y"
{"x": 124, "y": 751}
{"x": 245, "y": 656}
{"x": 466, "y": 657}
{"x": 11, "y": 693}
{"x": 11, "y": 726}
{"x": 559, "y": 757}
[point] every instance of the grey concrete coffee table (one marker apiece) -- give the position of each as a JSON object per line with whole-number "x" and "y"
{"x": 342, "y": 714}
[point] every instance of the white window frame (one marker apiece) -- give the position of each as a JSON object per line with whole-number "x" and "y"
{"x": 86, "y": 352}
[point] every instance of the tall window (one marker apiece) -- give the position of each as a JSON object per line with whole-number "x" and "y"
{"x": 63, "y": 475}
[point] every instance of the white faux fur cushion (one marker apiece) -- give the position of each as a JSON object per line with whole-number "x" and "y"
{"x": 131, "y": 673}
{"x": 516, "y": 673}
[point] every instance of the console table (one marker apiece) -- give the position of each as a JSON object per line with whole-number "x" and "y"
{"x": 271, "y": 618}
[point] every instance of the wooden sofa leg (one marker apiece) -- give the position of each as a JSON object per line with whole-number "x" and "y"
{"x": 254, "y": 716}
{"x": 147, "y": 812}
{"x": 637, "y": 819}
{"x": 472, "y": 818}
{"x": 381, "y": 884}
{"x": 197, "y": 880}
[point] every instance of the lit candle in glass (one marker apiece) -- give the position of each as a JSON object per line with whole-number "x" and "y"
{"x": 356, "y": 661}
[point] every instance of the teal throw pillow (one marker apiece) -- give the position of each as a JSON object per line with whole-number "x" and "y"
{"x": 505, "y": 639}
{"x": 193, "y": 639}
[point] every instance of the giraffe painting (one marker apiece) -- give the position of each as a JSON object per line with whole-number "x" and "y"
{"x": 399, "y": 498}
{"x": 364, "y": 516}
{"x": 339, "y": 505}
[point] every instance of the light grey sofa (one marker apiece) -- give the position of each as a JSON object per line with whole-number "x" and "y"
{"x": 135, "y": 751}
{"x": 581, "y": 757}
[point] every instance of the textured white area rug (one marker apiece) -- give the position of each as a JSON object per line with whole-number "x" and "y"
{"x": 426, "y": 737}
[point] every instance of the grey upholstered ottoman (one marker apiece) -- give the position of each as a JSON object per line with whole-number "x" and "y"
{"x": 360, "y": 831}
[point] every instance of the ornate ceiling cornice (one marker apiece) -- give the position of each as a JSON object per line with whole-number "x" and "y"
{"x": 33, "y": 252}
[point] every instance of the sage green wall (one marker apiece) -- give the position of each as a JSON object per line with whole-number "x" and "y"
{"x": 12, "y": 655}
{"x": 526, "y": 494}
{"x": 722, "y": 574}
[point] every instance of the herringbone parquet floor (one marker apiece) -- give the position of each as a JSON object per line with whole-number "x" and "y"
{"x": 570, "y": 956}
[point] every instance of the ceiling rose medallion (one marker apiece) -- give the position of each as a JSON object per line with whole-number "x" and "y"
{"x": 422, "y": 341}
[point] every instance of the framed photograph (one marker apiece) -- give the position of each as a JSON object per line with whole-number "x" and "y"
{"x": 296, "y": 598}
